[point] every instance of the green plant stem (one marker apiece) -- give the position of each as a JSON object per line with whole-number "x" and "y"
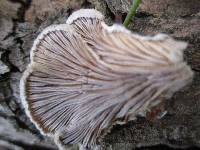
{"x": 131, "y": 12}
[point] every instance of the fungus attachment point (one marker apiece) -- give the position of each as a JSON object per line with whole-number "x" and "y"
{"x": 85, "y": 76}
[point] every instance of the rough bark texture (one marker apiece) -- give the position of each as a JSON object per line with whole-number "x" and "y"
{"x": 22, "y": 20}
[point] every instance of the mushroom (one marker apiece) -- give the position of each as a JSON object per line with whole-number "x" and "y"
{"x": 85, "y": 76}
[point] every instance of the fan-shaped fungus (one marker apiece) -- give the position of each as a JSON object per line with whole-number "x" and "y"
{"x": 85, "y": 76}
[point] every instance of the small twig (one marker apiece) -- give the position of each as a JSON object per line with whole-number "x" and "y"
{"x": 131, "y": 12}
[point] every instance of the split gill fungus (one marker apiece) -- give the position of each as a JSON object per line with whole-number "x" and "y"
{"x": 85, "y": 76}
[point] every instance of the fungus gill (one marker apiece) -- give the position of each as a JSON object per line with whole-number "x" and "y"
{"x": 85, "y": 76}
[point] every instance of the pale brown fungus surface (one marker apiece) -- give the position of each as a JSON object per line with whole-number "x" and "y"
{"x": 85, "y": 76}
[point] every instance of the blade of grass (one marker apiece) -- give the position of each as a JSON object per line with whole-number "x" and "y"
{"x": 131, "y": 12}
